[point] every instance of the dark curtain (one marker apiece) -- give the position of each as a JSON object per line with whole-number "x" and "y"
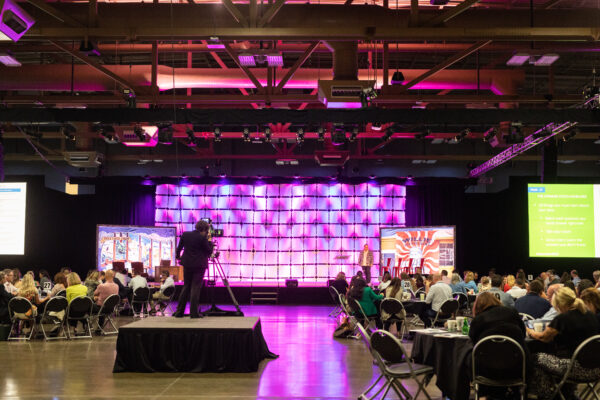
{"x": 125, "y": 204}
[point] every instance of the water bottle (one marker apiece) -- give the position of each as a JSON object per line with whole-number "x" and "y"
{"x": 465, "y": 327}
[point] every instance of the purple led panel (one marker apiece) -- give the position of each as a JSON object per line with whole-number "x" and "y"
{"x": 274, "y": 232}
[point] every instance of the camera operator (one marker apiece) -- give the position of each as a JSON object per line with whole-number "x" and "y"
{"x": 197, "y": 249}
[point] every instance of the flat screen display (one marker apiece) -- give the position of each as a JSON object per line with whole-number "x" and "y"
{"x": 426, "y": 249}
{"x": 13, "y": 196}
{"x": 564, "y": 220}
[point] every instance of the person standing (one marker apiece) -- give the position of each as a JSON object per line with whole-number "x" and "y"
{"x": 197, "y": 248}
{"x": 366, "y": 262}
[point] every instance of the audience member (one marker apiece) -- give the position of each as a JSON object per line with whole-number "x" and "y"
{"x": 340, "y": 283}
{"x": 394, "y": 291}
{"x": 521, "y": 275}
{"x": 582, "y": 285}
{"x": 532, "y": 303}
{"x": 445, "y": 278}
{"x": 470, "y": 284}
{"x": 45, "y": 280}
{"x": 457, "y": 285}
{"x": 122, "y": 277}
{"x": 386, "y": 279}
{"x": 484, "y": 285}
{"x": 419, "y": 281}
{"x": 65, "y": 271}
{"x": 366, "y": 298}
{"x": 167, "y": 281}
{"x": 510, "y": 282}
{"x": 138, "y": 281}
{"x": 408, "y": 284}
{"x": 496, "y": 289}
{"x": 596, "y": 276}
{"x": 552, "y": 277}
{"x": 570, "y": 285}
{"x": 575, "y": 277}
{"x": 572, "y": 325}
{"x": 5, "y": 297}
{"x": 518, "y": 290}
{"x": 359, "y": 275}
{"x": 544, "y": 278}
{"x": 101, "y": 293}
{"x": 8, "y": 282}
{"x": 60, "y": 284}
{"x": 75, "y": 288}
{"x": 438, "y": 293}
{"x": 30, "y": 292}
{"x": 17, "y": 278}
{"x": 591, "y": 299}
{"x": 91, "y": 282}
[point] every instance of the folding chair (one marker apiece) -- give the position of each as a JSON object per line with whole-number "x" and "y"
{"x": 62, "y": 293}
{"x": 418, "y": 293}
{"x": 526, "y": 317}
{"x": 55, "y": 305}
{"x": 498, "y": 353}
{"x": 446, "y": 311}
{"x": 107, "y": 310}
{"x": 395, "y": 365}
{"x": 141, "y": 296}
{"x": 335, "y": 296}
{"x": 585, "y": 356}
{"x": 366, "y": 337}
{"x": 20, "y": 306}
{"x": 393, "y": 307}
{"x": 163, "y": 305}
{"x": 463, "y": 302}
{"x": 80, "y": 310}
{"x": 360, "y": 314}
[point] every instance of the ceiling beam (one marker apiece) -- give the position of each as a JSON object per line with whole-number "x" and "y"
{"x": 56, "y": 13}
{"x": 232, "y": 53}
{"x": 451, "y": 13}
{"x": 235, "y": 13}
{"x": 290, "y": 73}
{"x": 271, "y": 12}
{"x": 446, "y": 63}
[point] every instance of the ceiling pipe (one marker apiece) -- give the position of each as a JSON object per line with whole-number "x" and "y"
{"x": 54, "y": 78}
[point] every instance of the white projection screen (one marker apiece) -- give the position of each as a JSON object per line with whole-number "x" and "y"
{"x": 12, "y": 217}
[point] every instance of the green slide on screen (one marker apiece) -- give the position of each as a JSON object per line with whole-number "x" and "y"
{"x": 561, "y": 220}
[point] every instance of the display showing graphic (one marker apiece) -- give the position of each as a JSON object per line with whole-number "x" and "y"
{"x": 273, "y": 232}
{"x": 564, "y": 220}
{"x": 427, "y": 250}
{"x": 13, "y": 196}
{"x": 126, "y": 243}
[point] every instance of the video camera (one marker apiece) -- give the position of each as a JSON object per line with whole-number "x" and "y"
{"x": 213, "y": 233}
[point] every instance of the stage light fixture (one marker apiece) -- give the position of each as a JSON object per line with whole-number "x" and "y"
{"x": 461, "y": 136}
{"x": 353, "y": 134}
{"x": 8, "y": 59}
{"x": 546, "y": 60}
{"x": 268, "y": 135}
{"x": 68, "y": 132}
{"x": 518, "y": 59}
{"x": 140, "y": 133}
{"x": 376, "y": 126}
{"x": 275, "y": 60}
{"x": 389, "y": 132}
{"x": 397, "y": 78}
{"x": 14, "y": 21}
{"x": 246, "y": 135}
{"x": 246, "y": 60}
{"x": 570, "y": 135}
{"x": 546, "y": 131}
{"x": 191, "y": 138}
{"x": 165, "y": 134}
{"x": 491, "y": 133}
{"x": 423, "y": 134}
{"x": 108, "y": 134}
{"x": 300, "y": 135}
{"x": 320, "y": 134}
{"x": 217, "y": 133}
{"x": 515, "y": 133}
{"x": 338, "y": 136}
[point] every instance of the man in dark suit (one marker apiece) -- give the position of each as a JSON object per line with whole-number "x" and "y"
{"x": 197, "y": 248}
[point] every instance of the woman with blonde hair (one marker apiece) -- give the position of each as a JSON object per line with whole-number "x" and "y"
{"x": 91, "y": 282}
{"x": 573, "y": 324}
{"x": 470, "y": 282}
{"x": 510, "y": 282}
{"x": 485, "y": 284}
{"x": 75, "y": 288}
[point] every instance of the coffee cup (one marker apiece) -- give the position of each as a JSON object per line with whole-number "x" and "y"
{"x": 460, "y": 321}
{"x": 422, "y": 296}
{"x": 452, "y": 326}
{"x": 538, "y": 326}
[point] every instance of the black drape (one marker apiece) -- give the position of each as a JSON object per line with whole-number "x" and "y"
{"x": 125, "y": 204}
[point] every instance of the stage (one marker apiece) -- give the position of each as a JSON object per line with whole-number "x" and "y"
{"x": 210, "y": 344}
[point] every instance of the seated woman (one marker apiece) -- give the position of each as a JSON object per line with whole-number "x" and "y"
{"x": 509, "y": 283}
{"x": 91, "y": 283}
{"x": 485, "y": 284}
{"x": 419, "y": 281}
{"x": 591, "y": 299}
{"x": 386, "y": 279}
{"x": 408, "y": 284}
{"x": 75, "y": 289}
{"x": 394, "y": 291}
{"x": 60, "y": 284}
{"x": 366, "y": 298}
{"x": 340, "y": 283}
{"x": 492, "y": 318}
{"x": 457, "y": 285}
{"x": 30, "y": 292}
{"x": 573, "y": 324}
{"x": 470, "y": 284}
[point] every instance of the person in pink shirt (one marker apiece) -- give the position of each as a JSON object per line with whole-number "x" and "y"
{"x": 105, "y": 289}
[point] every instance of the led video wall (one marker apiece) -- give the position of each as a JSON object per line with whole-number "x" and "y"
{"x": 274, "y": 232}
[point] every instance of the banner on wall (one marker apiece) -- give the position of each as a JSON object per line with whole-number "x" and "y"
{"x": 127, "y": 243}
{"x": 427, "y": 250}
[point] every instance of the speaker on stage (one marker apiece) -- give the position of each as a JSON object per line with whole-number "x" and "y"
{"x": 291, "y": 282}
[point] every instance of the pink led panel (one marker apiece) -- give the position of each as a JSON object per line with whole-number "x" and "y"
{"x": 274, "y": 232}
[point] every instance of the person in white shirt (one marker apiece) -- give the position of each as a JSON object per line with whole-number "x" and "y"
{"x": 166, "y": 281}
{"x": 438, "y": 293}
{"x": 518, "y": 290}
{"x": 445, "y": 278}
{"x": 386, "y": 279}
{"x": 8, "y": 285}
{"x": 137, "y": 282}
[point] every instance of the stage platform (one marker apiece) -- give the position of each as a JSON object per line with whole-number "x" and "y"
{"x": 210, "y": 344}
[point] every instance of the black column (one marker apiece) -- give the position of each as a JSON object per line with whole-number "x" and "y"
{"x": 549, "y": 165}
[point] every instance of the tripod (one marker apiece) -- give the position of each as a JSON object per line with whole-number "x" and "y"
{"x": 211, "y": 282}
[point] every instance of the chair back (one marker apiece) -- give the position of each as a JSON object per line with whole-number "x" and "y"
{"x": 587, "y": 352}
{"x": 169, "y": 291}
{"x": 137, "y": 267}
{"x": 496, "y": 353}
{"x": 357, "y": 308}
{"x": 391, "y": 306}
{"x": 141, "y": 294}
{"x": 19, "y": 305}
{"x": 364, "y": 334}
{"x": 389, "y": 348}
{"x": 109, "y": 305}
{"x": 62, "y": 293}
{"x": 335, "y": 295}
{"x": 449, "y": 307}
{"x": 118, "y": 266}
{"x": 343, "y": 304}
{"x": 165, "y": 263}
{"x": 463, "y": 299}
{"x": 81, "y": 306}
{"x": 526, "y": 317}
{"x": 56, "y": 304}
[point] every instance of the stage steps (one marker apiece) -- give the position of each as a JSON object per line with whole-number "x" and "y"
{"x": 264, "y": 295}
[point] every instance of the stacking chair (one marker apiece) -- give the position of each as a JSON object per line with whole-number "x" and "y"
{"x": 498, "y": 353}
{"x": 18, "y": 307}
{"x": 141, "y": 296}
{"x": 165, "y": 305}
{"x": 80, "y": 310}
{"x": 585, "y": 356}
{"x": 418, "y": 293}
{"x": 360, "y": 314}
{"x": 62, "y": 293}
{"x": 392, "y": 307}
{"x": 526, "y": 317}
{"x": 366, "y": 338}
{"x": 335, "y": 296}
{"x": 395, "y": 365}
{"x": 107, "y": 311}
{"x": 463, "y": 302}
{"x": 55, "y": 305}
{"x": 446, "y": 311}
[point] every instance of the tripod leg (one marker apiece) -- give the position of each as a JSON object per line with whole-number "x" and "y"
{"x": 219, "y": 269}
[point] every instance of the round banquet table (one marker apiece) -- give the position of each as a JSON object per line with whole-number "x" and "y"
{"x": 414, "y": 306}
{"x": 450, "y": 356}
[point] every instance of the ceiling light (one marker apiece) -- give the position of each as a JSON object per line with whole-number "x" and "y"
{"x": 397, "y": 78}
{"x": 246, "y": 60}
{"x": 376, "y": 126}
{"x": 438, "y": 141}
{"x": 518, "y": 59}
{"x": 565, "y": 161}
{"x": 246, "y": 135}
{"x": 14, "y": 21}
{"x": 286, "y": 161}
{"x": 320, "y": 134}
{"x": 267, "y": 134}
{"x": 275, "y": 60}
{"x": 546, "y": 60}
{"x": 8, "y": 59}
{"x": 597, "y": 141}
{"x": 217, "y": 133}
{"x": 569, "y": 135}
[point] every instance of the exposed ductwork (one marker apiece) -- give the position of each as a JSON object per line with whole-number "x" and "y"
{"x": 345, "y": 60}
{"x": 57, "y": 77}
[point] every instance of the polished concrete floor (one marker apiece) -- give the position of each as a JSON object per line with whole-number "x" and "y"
{"x": 312, "y": 364}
